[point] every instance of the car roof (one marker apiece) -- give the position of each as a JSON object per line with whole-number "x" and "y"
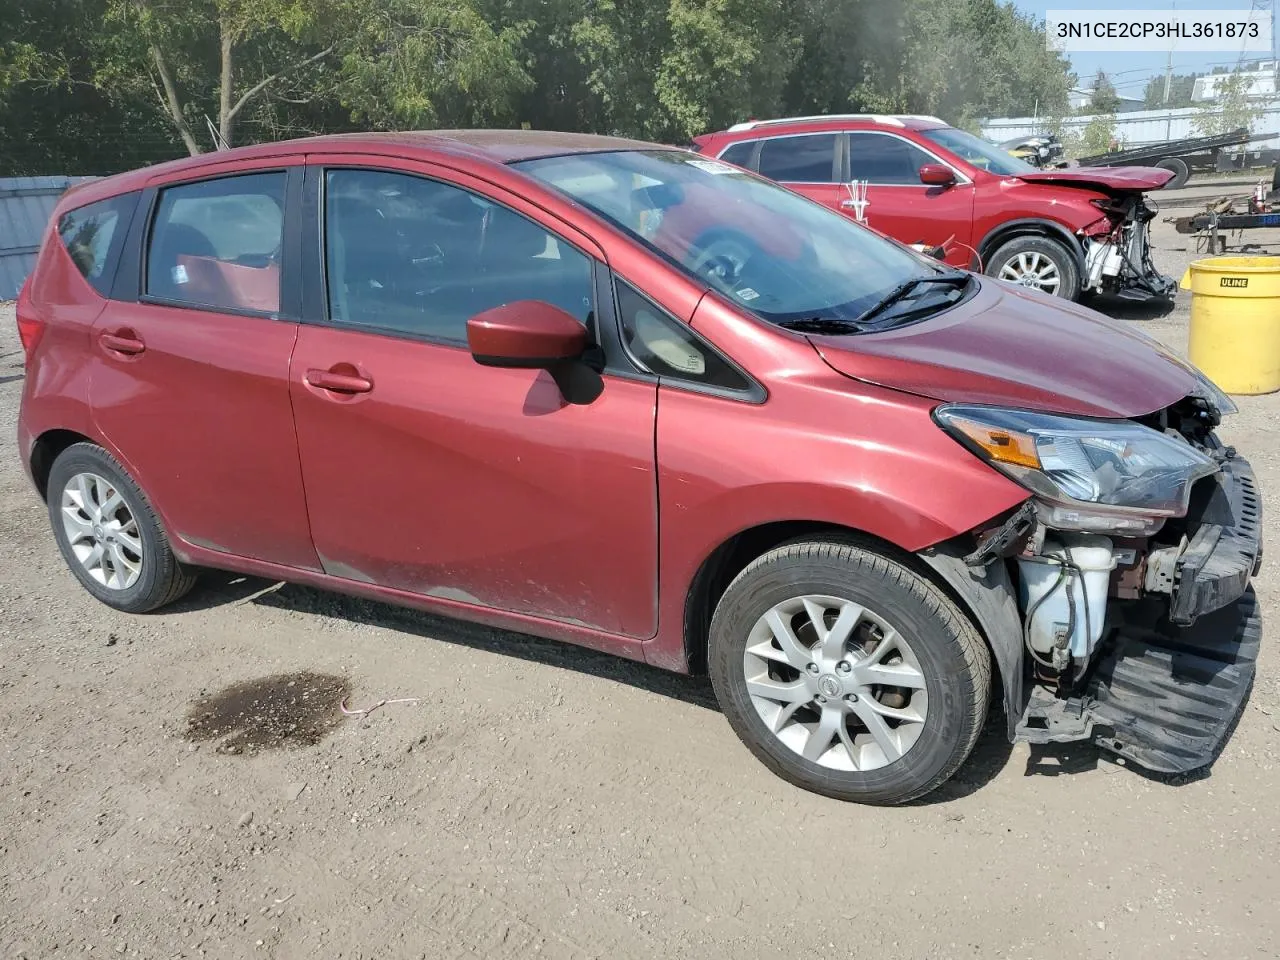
{"x": 474, "y": 146}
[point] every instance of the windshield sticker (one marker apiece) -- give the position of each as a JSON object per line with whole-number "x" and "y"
{"x": 180, "y": 274}
{"x": 712, "y": 166}
{"x": 746, "y": 293}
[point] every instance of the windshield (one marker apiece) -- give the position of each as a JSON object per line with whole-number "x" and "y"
{"x": 981, "y": 153}
{"x": 767, "y": 249}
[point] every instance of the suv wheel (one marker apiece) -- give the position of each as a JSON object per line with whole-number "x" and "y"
{"x": 1039, "y": 263}
{"x": 848, "y": 674}
{"x": 109, "y": 535}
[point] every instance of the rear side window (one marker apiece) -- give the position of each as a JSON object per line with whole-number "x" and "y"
{"x": 92, "y": 235}
{"x": 880, "y": 158}
{"x": 739, "y": 153}
{"x": 810, "y": 159}
{"x": 216, "y": 244}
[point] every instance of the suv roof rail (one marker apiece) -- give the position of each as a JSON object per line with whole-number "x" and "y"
{"x": 894, "y": 120}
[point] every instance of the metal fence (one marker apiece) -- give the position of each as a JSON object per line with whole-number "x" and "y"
{"x": 26, "y": 203}
{"x": 1137, "y": 129}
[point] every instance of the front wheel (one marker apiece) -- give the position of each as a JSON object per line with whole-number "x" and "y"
{"x": 847, "y": 673}
{"x": 1039, "y": 263}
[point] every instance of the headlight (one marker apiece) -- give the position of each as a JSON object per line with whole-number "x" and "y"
{"x": 1096, "y": 475}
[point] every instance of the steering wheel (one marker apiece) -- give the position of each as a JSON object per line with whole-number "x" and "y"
{"x": 723, "y": 259}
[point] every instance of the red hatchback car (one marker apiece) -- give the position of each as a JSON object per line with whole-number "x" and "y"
{"x": 920, "y": 181}
{"x": 634, "y": 398}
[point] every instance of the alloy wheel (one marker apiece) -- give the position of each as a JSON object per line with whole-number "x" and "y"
{"x": 101, "y": 531}
{"x": 835, "y": 683}
{"x": 1032, "y": 269}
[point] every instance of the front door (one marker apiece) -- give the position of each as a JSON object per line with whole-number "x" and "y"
{"x": 429, "y": 473}
{"x": 884, "y": 176}
{"x": 191, "y": 376}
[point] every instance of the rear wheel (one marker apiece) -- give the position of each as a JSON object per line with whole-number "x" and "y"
{"x": 1038, "y": 263}
{"x": 848, "y": 674}
{"x": 109, "y": 534}
{"x": 1181, "y": 172}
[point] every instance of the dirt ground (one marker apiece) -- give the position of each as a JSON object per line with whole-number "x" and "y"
{"x": 536, "y": 800}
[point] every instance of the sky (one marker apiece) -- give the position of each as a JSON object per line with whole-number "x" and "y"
{"x": 1131, "y": 71}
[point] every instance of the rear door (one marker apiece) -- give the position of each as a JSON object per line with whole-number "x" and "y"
{"x": 431, "y": 474}
{"x": 884, "y": 169}
{"x": 191, "y": 374}
{"x": 807, "y": 163}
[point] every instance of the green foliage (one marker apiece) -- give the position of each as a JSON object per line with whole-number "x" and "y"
{"x": 1230, "y": 110}
{"x": 1181, "y": 86}
{"x": 162, "y": 77}
{"x": 1104, "y": 99}
{"x": 1099, "y": 136}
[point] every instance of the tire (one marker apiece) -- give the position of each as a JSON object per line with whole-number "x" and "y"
{"x": 139, "y": 572}
{"x": 945, "y": 656}
{"x": 1181, "y": 172}
{"x": 1033, "y": 251}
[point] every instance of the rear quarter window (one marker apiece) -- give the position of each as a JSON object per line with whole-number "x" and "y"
{"x": 92, "y": 236}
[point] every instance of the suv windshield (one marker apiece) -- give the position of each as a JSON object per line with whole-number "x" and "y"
{"x": 981, "y": 153}
{"x": 769, "y": 250}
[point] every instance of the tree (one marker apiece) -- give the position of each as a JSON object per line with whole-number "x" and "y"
{"x": 1099, "y": 136}
{"x": 1230, "y": 110}
{"x": 1181, "y": 86}
{"x": 1104, "y": 98}
{"x": 390, "y": 62}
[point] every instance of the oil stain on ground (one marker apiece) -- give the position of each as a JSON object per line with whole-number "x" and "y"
{"x": 289, "y": 709}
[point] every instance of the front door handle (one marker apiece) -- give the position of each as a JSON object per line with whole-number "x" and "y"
{"x": 339, "y": 382}
{"x": 125, "y": 342}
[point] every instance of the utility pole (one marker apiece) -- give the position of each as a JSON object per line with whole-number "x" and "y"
{"x": 1168, "y": 76}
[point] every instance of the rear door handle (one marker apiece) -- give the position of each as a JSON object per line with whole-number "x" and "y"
{"x": 338, "y": 382}
{"x": 122, "y": 343}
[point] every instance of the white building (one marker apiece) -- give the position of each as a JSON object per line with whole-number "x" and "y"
{"x": 1261, "y": 77}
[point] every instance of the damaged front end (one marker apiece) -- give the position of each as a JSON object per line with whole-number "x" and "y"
{"x": 1131, "y": 566}
{"x": 1117, "y": 252}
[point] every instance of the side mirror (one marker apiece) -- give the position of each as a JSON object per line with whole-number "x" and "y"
{"x": 937, "y": 175}
{"x": 531, "y": 334}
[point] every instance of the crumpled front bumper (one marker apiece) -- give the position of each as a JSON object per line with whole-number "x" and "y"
{"x": 1174, "y": 672}
{"x": 1226, "y": 550}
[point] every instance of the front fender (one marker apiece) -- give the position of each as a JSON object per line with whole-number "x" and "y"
{"x": 988, "y": 593}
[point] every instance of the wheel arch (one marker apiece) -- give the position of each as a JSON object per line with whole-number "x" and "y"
{"x": 1031, "y": 227}
{"x": 45, "y": 450}
{"x": 986, "y": 599}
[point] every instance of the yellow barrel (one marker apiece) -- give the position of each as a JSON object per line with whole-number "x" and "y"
{"x": 1235, "y": 321}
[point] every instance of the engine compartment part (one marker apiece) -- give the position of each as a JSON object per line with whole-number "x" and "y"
{"x": 1064, "y": 593}
{"x": 1118, "y": 257}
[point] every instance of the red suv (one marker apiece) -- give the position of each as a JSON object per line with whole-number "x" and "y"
{"x": 915, "y": 179}
{"x": 633, "y": 398}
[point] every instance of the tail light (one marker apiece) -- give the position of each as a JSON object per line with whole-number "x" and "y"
{"x": 30, "y": 327}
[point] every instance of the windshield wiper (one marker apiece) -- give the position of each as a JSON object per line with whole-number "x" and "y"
{"x": 956, "y": 279}
{"x": 833, "y": 326}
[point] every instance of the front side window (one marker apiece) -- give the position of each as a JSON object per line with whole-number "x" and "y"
{"x": 807, "y": 159}
{"x": 419, "y": 257}
{"x": 981, "y": 153}
{"x": 880, "y": 158}
{"x": 668, "y": 348}
{"x": 87, "y": 235}
{"x": 217, "y": 243}
{"x": 768, "y": 249}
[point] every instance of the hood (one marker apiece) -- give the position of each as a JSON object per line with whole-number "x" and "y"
{"x": 1014, "y": 347}
{"x": 1109, "y": 179}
